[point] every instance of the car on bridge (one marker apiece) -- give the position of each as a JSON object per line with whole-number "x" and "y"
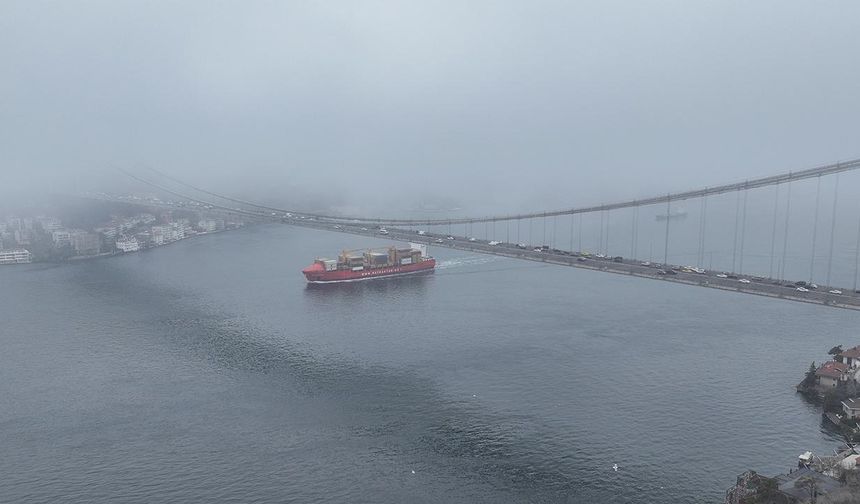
{"x": 439, "y": 240}
{"x": 471, "y": 239}
{"x": 744, "y": 281}
{"x": 802, "y": 289}
{"x": 494, "y": 242}
{"x": 449, "y": 237}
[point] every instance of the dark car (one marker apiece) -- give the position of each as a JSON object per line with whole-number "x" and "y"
{"x": 618, "y": 259}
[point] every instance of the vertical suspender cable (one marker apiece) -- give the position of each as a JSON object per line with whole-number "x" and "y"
{"x": 636, "y": 234}
{"x": 743, "y": 232}
{"x": 814, "y": 229}
{"x": 704, "y": 228}
{"x": 773, "y": 231}
{"x": 600, "y": 240}
{"x": 699, "y": 237}
{"x": 580, "y": 232}
{"x": 606, "y": 248}
{"x": 666, "y": 241}
{"x": 571, "y": 233}
{"x": 785, "y": 232}
{"x": 544, "y": 232}
{"x": 857, "y": 256}
{"x": 735, "y": 242}
{"x": 633, "y": 234}
{"x": 832, "y": 229}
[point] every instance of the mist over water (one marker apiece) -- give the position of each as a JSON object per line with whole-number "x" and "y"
{"x": 157, "y": 378}
{"x": 207, "y": 370}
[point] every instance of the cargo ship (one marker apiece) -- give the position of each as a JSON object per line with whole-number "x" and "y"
{"x": 357, "y": 265}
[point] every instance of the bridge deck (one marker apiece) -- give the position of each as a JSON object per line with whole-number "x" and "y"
{"x": 767, "y": 287}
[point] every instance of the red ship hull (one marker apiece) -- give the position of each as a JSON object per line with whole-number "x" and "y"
{"x": 315, "y": 273}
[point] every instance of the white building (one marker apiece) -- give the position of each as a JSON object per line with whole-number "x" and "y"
{"x": 86, "y": 243}
{"x": 49, "y": 224}
{"x": 61, "y": 238}
{"x": 108, "y": 231}
{"x": 177, "y": 231}
{"x": 127, "y": 245}
{"x": 158, "y": 235}
{"x": 851, "y": 407}
{"x": 207, "y": 225}
{"x": 17, "y": 256}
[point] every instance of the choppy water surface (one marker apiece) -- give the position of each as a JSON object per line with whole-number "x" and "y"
{"x": 207, "y": 371}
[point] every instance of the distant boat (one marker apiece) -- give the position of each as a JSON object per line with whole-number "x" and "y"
{"x": 674, "y": 214}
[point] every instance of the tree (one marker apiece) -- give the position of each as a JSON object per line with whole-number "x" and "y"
{"x": 808, "y": 482}
{"x": 809, "y": 379}
{"x": 835, "y": 350}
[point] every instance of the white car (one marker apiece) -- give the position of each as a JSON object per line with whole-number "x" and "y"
{"x": 364, "y": 229}
{"x": 744, "y": 281}
{"x": 494, "y": 242}
{"x": 450, "y": 237}
{"x": 383, "y": 231}
{"x": 472, "y": 239}
{"x": 722, "y": 275}
{"x": 802, "y": 289}
{"x": 813, "y": 286}
{"x": 439, "y": 240}
{"x": 835, "y": 291}
{"x": 421, "y": 232}
{"x": 646, "y": 263}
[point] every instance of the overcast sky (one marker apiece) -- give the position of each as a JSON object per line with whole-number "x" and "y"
{"x": 518, "y": 104}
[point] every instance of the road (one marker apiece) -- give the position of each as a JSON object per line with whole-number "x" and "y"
{"x": 669, "y": 273}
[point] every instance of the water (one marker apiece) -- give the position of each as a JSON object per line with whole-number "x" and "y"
{"x": 207, "y": 371}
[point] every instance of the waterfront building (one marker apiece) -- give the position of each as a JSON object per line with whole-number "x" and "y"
{"x": 49, "y": 224}
{"x": 108, "y": 231}
{"x": 177, "y": 231}
{"x": 851, "y": 407}
{"x": 86, "y": 243}
{"x": 207, "y": 225}
{"x": 16, "y": 256}
{"x": 61, "y": 238}
{"x": 850, "y": 357}
{"x": 829, "y": 374}
{"x": 23, "y": 237}
{"x": 127, "y": 245}
{"x": 158, "y": 234}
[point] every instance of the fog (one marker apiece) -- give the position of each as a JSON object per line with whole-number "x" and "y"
{"x": 486, "y": 106}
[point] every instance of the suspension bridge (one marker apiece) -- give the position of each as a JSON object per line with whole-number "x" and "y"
{"x": 793, "y": 258}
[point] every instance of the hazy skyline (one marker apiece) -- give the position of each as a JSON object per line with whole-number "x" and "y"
{"x": 516, "y": 105}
